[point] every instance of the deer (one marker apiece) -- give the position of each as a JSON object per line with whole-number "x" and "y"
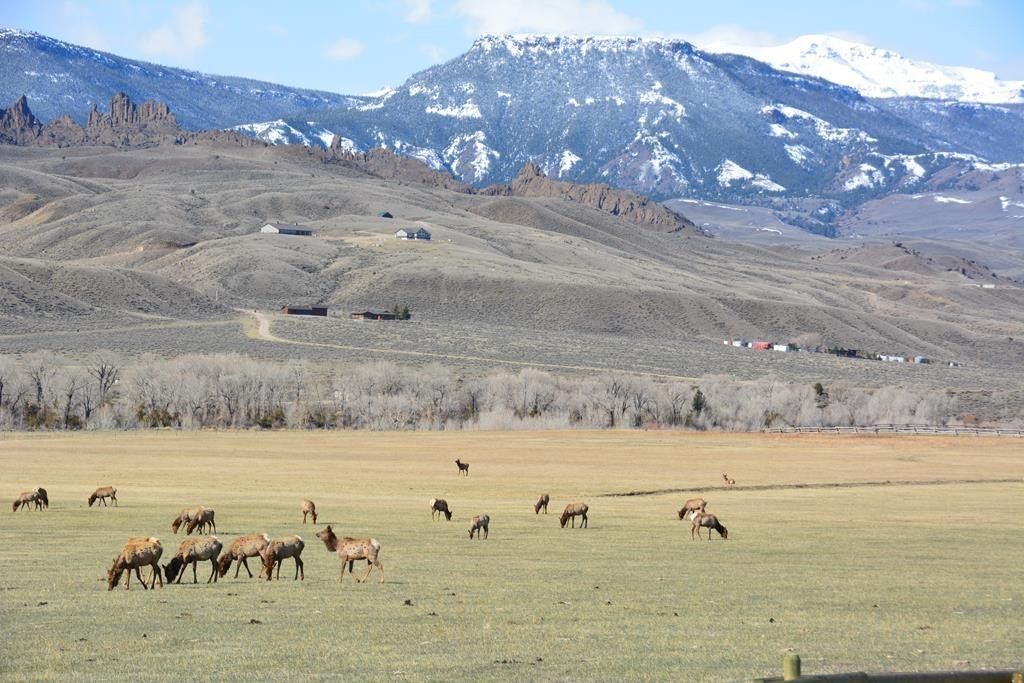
{"x": 203, "y": 521}
{"x": 193, "y": 550}
{"x": 438, "y": 507}
{"x": 542, "y": 502}
{"x": 480, "y": 525}
{"x": 102, "y": 493}
{"x": 42, "y": 498}
{"x": 308, "y": 508}
{"x": 349, "y": 549}
{"x": 571, "y": 511}
{"x": 136, "y": 553}
{"x": 463, "y": 467}
{"x": 728, "y": 480}
{"x": 240, "y": 550}
{"x": 692, "y": 505}
{"x": 280, "y": 549}
{"x": 25, "y": 499}
{"x": 708, "y": 520}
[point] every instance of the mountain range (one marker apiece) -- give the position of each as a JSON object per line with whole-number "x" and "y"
{"x": 656, "y": 116}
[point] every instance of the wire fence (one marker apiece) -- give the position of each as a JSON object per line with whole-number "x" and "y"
{"x": 901, "y": 429}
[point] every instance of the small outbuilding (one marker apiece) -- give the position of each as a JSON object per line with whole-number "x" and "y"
{"x": 412, "y": 234}
{"x": 285, "y": 229}
{"x": 385, "y": 214}
{"x": 304, "y": 310}
{"x": 372, "y": 315}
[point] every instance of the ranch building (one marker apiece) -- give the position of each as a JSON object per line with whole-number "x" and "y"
{"x": 283, "y": 229}
{"x": 410, "y": 234}
{"x": 304, "y": 310}
{"x": 385, "y": 214}
{"x": 372, "y": 315}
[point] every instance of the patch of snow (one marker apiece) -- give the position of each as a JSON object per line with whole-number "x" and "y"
{"x": 416, "y": 90}
{"x": 274, "y": 132}
{"x": 869, "y": 176}
{"x": 572, "y": 102}
{"x": 502, "y": 93}
{"x": 776, "y": 231}
{"x": 798, "y": 153}
{"x": 1005, "y": 203}
{"x": 655, "y": 96}
{"x": 729, "y": 172}
{"x": 469, "y": 110}
{"x": 478, "y": 164}
{"x": 384, "y": 92}
{"x": 940, "y": 199}
{"x": 779, "y": 131}
{"x": 568, "y": 160}
{"x": 822, "y": 128}
{"x": 617, "y": 100}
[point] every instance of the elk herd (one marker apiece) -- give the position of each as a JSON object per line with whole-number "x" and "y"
{"x": 142, "y": 552}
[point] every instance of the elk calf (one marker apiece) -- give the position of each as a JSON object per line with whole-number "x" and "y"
{"x": 308, "y": 508}
{"x": 438, "y": 507}
{"x": 542, "y": 502}
{"x": 480, "y": 525}
{"x": 463, "y": 467}
{"x": 692, "y": 505}
{"x": 102, "y": 493}
{"x": 571, "y": 511}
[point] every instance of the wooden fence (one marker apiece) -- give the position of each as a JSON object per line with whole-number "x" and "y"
{"x": 901, "y": 429}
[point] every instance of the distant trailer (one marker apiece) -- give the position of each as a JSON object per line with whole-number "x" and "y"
{"x": 304, "y": 310}
{"x": 780, "y": 347}
{"x": 762, "y": 346}
{"x": 282, "y": 229}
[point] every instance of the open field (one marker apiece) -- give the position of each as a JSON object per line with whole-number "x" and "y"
{"x": 886, "y": 577}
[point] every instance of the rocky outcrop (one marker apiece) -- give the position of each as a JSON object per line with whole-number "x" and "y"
{"x": 384, "y": 163}
{"x": 18, "y": 126}
{"x": 531, "y": 182}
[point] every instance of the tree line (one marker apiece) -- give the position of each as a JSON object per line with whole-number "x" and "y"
{"x": 41, "y": 392}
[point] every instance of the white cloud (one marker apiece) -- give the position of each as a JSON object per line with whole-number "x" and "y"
{"x": 416, "y": 10}
{"x": 573, "y": 17}
{"x": 181, "y": 36}
{"x": 344, "y": 48}
{"x": 730, "y": 35}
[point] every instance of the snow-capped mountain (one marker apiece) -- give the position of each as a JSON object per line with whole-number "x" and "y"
{"x": 667, "y": 120}
{"x": 877, "y": 72}
{"x": 61, "y": 78}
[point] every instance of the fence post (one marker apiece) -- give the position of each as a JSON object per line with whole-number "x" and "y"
{"x": 790, "y": 667}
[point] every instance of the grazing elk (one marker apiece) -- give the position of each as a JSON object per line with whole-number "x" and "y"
{"x": 463, "y": 467}
{"x": 308, "y": 509}
{"x": 203, "y": 519}
{"x": 480, "y": 525}
{"x": 25, "y": 499}
{"x": 193, "y": 550}
{"x": 136, "y": 553}
{"x": 349, "y": 549}
{"x": 571, "y": 511}
{"x": 542, "y": 502}
{"x": 708, "y": 521}
{"x": 438, "y": 507}
{"x": 728, "y": 480}
{"x": 42, "y": 498}
{"x": 240, "y": 550}
{"x": 280, "y": 549}
{"x": 184, "y": 517}
{"x": 102, "y": 493}
{"x": 692, "y": 505}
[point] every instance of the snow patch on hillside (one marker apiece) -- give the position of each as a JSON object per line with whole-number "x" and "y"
{"x": 274, "y": 132}
{"x": 869, "y": 176}
{"x": 730, "y": 173}
{"x": 468, "y": 110}
{"x": 822, "y": 128}
{"x": 469, "y": 157}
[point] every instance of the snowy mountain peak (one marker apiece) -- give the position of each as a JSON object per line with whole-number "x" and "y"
{"x": 878, "y": 72}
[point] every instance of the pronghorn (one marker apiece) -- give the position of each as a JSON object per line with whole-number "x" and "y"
{"x": 728, "y": 480}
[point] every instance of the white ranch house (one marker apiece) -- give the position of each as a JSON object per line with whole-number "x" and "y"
{"x": 412, "y": 234}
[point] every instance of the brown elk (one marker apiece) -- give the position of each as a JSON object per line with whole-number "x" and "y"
{"x": 438, "y": 507}
{"x": 136, "y": 553}
{"x": 102, "y": 493}
{"x": 42, "y": 498}
{"x": 708, "y": 521}
{"x": 184, "y": 517}
{"x": 542, "y": 502}
{"x": 240, "y": 550}
{"x": 728, "y": 480}
{"x": 308, "y": 509}
{"x": 463, "y": 467}
{"x": 480, "y": 525}
{"x": 25, "y": 499}
{"x": 571, "y": 511}
{"x": 692, "y": 505}
{"x": 280, "y": 549}
{"x": 192, "y": 550}
{"x": 203, "y": 520}
{"x": 349, "y": 549}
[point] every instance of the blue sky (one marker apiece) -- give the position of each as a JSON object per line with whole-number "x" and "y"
{"x": 358, "y": 46}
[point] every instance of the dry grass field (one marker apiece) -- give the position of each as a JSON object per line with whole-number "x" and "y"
{"x": 873, "y": 576}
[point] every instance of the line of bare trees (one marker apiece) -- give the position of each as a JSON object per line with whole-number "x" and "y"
{"x": 38, "y": 391}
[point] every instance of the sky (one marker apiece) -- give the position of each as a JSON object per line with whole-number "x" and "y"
{"x": 361, "y": 46}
